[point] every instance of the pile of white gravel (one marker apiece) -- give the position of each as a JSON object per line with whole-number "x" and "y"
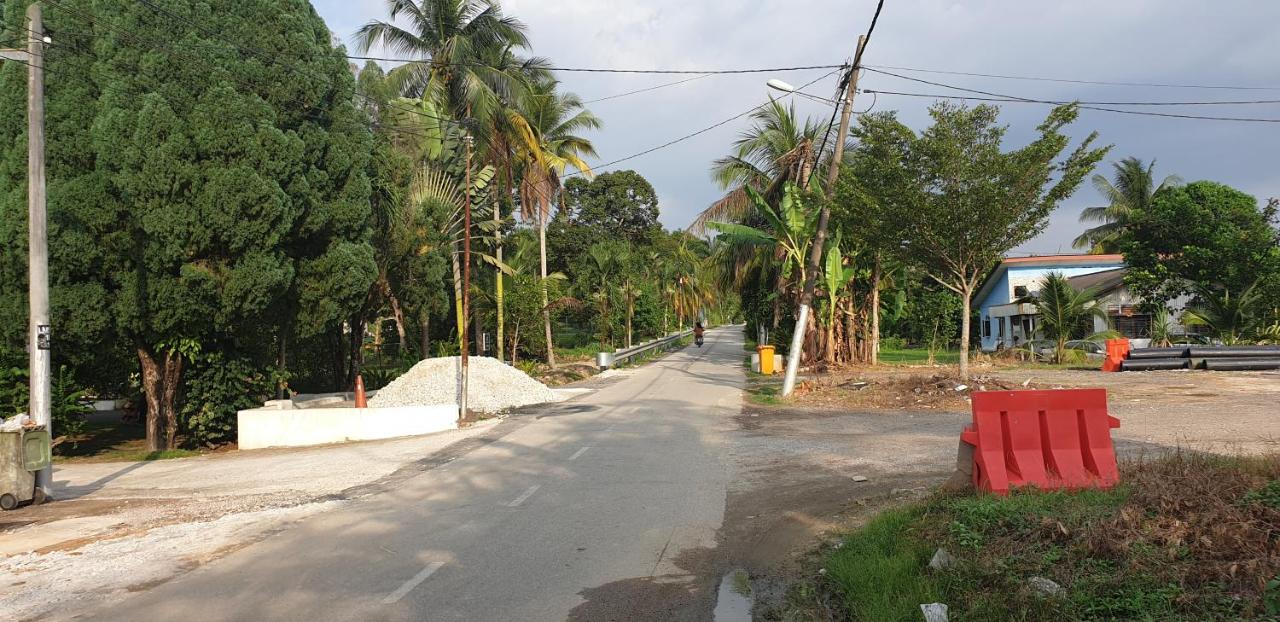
{"x": 492, "y": 385}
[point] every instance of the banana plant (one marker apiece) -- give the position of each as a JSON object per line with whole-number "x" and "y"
{"x": 836, "y": 277}
{"x": 790, "y": 230}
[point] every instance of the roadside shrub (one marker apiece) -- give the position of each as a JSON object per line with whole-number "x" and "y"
{"x": 68, "y": 408}
{"x": 893, "y": 343}
{"x": 216, "y": 388}
{"x": 1268, "y": 495}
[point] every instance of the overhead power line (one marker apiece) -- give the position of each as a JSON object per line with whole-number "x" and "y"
{"x": 1093, "y": 103}
{"x": 646, "y": 90}
{"x": 703, "y": 130}
{"x": 609, "y": 69}
{"x": 1070, "y": 81}
{"x": 844, "y": 80}
{"x": 1059, "y": 103}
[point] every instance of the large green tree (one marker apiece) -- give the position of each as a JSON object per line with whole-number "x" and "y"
{"x": 614, "y": 205}
{"x": 963, "y": 201}
{"x": 1203, "y": 236}
{"x": 206, "y": 196}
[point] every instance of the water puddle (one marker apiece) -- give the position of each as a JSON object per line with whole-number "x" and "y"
{"x": 734, "y": 600}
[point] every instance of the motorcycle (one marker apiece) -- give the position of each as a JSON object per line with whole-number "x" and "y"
{"x": 697, "y": 340}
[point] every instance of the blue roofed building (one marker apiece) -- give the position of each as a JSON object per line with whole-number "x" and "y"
{"x": 1005, "y": 323}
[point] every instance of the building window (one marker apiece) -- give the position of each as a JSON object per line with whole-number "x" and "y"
{"x": 1135, "y": 326}
{"x": 1019, "y": 291}
{"x": 986, "y": 327}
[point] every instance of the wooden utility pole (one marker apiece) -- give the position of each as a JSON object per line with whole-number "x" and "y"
{"x": 466, "y": 280}
{"x": 819, "y": 238}
{"x": 38, "y": 335}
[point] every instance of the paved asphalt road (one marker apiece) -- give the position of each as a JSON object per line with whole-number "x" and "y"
{"x": 546, "y": 522}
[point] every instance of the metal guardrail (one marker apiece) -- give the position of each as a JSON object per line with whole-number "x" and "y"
{"x": 605, "y": 360}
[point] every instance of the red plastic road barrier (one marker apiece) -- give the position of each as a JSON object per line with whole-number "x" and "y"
{"x": 1047, "y": 439}
{"x": 361, "y": 401}
{"x": 1117, "y": 352}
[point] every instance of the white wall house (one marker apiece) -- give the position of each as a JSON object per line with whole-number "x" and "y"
{"x": 1005, "y": 323}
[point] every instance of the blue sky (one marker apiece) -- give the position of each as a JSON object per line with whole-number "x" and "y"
{"x": 1170, "y": 41}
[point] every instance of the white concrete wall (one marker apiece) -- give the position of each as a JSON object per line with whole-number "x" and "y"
{"x": 274, "y": 427}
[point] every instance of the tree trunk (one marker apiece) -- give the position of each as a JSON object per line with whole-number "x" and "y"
{"x": 355, "y": 358}
{"x": 477, "y": 329}
{"x": 424, "y": 339}
{"x": 282, "y": 360}
{"x": 830, "y": 348}
{"x": 850, "y": 333}
{"x": 397, "y": 313}
{"x": 498, "y": 293}
{"x": 457, "y": 296}
{"x": 339, "y": 358}
{"x": 966, "y": 295}
{"x": 631, "y": 310}
{"x": 546, "y": 312}
{"x": 169, "y": 398}
{"x": 151, "y": 390}
{"x": 161, "y": 380}
{"x": 874, "y": 357}
{"x": 515, "y": 343}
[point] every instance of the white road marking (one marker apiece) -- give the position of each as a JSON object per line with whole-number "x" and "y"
{"x": 524, "y": 496}
{"x": 412, "y": 583}
{"x": 578, "y": 453}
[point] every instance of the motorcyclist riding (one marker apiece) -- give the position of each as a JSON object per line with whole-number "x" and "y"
{"x": 697, "y": 333}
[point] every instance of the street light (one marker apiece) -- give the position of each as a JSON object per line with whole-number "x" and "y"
{"x": 779, "y": 85}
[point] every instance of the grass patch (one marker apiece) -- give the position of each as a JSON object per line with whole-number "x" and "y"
{"x": 107, "y": 439}
{"x": 918, "y": 356}
{"x": 1185, "y": 537}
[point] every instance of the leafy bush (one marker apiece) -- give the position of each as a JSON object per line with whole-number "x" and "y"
{"x": 1268, "y": 495}
{"x": 68, "y": 401}
{"x": 217, "y": 387}
{"x": 892, "y": 343}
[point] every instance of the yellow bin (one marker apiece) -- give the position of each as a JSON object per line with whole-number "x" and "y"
{"x": 766, "y": 359}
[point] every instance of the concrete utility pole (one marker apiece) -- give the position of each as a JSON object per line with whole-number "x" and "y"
{"x": 38, "y": 337}
{"x": 815, "y": 253}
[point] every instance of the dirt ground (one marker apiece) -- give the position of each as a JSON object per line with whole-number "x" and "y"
{"x": 1223, "y": 412}
{"x": 799, "y": 463}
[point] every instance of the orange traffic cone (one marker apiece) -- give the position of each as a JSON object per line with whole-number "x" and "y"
{"x": 361, "y": 401}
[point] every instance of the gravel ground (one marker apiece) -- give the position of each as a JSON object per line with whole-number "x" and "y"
{"x": 492, "y": 386}
{"x": 35, "y": 584}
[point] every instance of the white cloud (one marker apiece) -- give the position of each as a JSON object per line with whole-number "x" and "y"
{"x": 1137, "y": 40}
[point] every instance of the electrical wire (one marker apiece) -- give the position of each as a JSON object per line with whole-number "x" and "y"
{"x": 646, "y": 90}
{"x": 1096, "y": 103}
{"x": 610, "y": 69}
{"x": 844, "y": 82}
{"x": 1069, "y": 81}
{"x": 1086, "y": 107}
{"x": 701, "y": 131}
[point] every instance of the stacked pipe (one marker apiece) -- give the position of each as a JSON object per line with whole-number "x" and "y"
{"x": 1213, "y": 358}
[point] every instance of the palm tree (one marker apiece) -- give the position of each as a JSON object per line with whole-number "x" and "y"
{"x": 786, "y": 235}
{"x": 551, "y": 144}
{"x": 1131, "y": 193}
{"x": 1232, "y": 319}
{"x": 775, "y": 150}
{"x": 455, "y": 39}
{"x": 1064, "y": 311}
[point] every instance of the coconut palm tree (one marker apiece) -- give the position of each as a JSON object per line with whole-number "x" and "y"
{"x": 1231, "y": 318}
{"x": 1130, "y": 193}
{"x": 786, "y": 234}
{"x": 1064, "y": 311}
{"x": 776, "y": 149}
{"x": 455, "y": 38}
{"x": 552, "y": 142}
